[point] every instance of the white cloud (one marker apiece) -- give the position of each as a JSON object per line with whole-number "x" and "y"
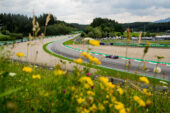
{"x": 83, "y": 11}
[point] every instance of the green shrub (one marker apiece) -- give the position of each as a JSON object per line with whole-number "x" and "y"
{"x": 4, "y": 37}
{"x": 16, "y": 35}
{"x": 5, "y": 32}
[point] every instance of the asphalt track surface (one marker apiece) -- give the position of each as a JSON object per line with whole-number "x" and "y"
{"x": 117, "y": 64}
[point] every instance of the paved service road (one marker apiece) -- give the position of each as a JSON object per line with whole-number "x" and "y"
{"x": 118, "y": 64}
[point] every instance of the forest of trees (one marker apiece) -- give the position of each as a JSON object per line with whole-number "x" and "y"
{"x": 22, "y": 25}
{"x": 103, "y": 27}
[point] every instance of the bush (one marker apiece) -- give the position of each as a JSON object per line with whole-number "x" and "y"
{"x": 6, "y": 38}
{"x": 58, "y": 29}
{"x": 10, "y": 36}
{"x": 83, "y": 34}
{"x": 5, "y": 32}
{"x": 16, "y": 35}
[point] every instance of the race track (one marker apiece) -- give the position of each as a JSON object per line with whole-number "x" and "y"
{"x": 36, "y": 54}
{"x": 118, "y": 64}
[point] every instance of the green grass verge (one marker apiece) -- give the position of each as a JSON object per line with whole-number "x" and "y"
{"x": 109, "y": 72}
{"x": 70, "y": 42}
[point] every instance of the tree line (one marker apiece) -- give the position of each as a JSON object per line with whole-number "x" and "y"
{"x": 103, "y": 27}
{"x": 16, "y": 23}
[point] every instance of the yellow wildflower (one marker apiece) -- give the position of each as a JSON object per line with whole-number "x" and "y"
{"x": 20, "y": 54}
{"x": 79, "y": 61}
{"x": 122, "y": 111}
{"x": 27, "y": 69}
{"x": 81, "y": 94}
{"x": 128, "y": 110}
{"x": 73, "y": 88}
{"x": 93, "y": 108}
{"x": 58, "y": 72}
{"x": 90, "y": 93}
{"x": 87, "y": 82}
{"x": 113, "y": 99}
{"x": 80, "y": 100}
{"x": 83, "y": 54}
{"x": 144, "y": 79}
{"x": 107, "y": 96}
{"x": 105, "y": 102}
{"x": 146, "y": 92}
{"x": 36, "y": 76}
{"x": 100, "y": 107}
{"x": 139, "y": 101}
{"x": 120, "y": 91}
{"x": 85, "y": 111}
{"x": 110, "y": 105}
{"x": 120, "y": 107}
{"x": 94, "y": 42}
{"x": 96, "y": 61}
{"x": 90, "y": 58}
{"x": 87, "y": 56}
{"x": 148, "y": 102}
{"x": 106, "y": 83}
{"x": 103, "y": 79}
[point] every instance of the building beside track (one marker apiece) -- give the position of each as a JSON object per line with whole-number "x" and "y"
{"x": 164, "y": 37}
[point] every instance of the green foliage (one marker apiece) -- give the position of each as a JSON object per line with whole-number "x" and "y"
{"x": 16, "y": 35}
{"x": 133, "y": 34}
{"x": 91, "y": 34}
{"x": 69, "y": 42}
{"x": 97, "y": 32}
{"x": 148, "y": 34}
{"x": 79, "y": 26}
{"x": 11, "y": 36}
{"x": 3, "y": 37}
{"x": 58, "y": 29}
{"x": 5, "y": 32}
{"x": 103, "y": 27}
{"x": 107, "y": 25}
{"x": 16, "y": 23}
{"x": 83, "y": 34}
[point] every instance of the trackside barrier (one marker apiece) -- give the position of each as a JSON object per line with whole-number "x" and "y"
{"x": 137, "y": 45}
{"x": 23, "y": 40}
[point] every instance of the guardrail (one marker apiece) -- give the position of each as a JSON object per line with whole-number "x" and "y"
{"x": 23, "y": 40}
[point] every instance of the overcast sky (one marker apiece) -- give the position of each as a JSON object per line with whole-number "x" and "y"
{"x": 84, "y": 11}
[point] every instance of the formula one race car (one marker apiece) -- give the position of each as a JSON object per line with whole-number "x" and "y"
{"x": 112, "y": 57}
